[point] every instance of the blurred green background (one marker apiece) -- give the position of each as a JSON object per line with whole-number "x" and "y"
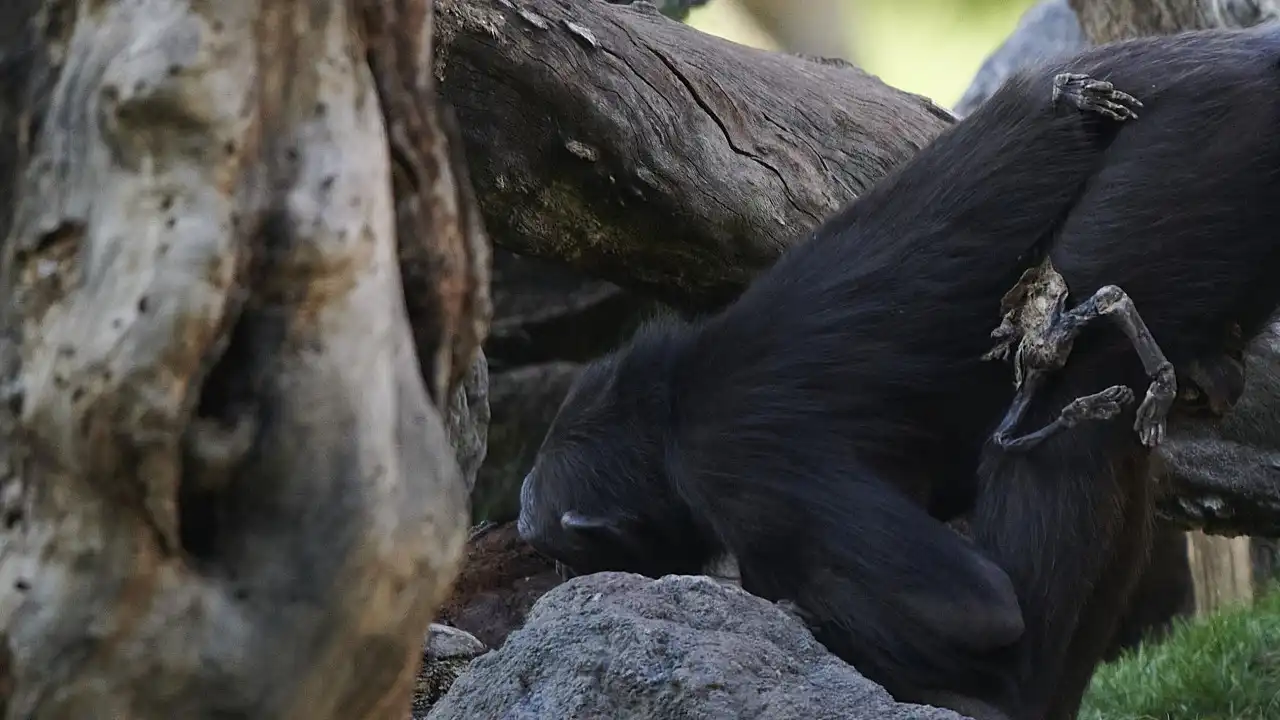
{"x": 931, "y": 47}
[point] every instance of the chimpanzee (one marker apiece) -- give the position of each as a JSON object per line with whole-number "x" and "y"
{"x": 1187, "y": 245}
{"x": 819, "y": 428}
{"x": 750, "y": 413}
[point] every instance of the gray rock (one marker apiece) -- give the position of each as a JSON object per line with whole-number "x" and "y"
{"x": 446, "y": 653}
{"x": 623, "y": 647}
{"x": 1046, "y": 30}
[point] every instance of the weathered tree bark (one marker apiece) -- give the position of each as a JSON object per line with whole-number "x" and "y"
{"x": 544, "y": 312}
{"x": 1108, "y": 20}
{"x": 466, "y": 420}
{"x": 227, "y": 491}
{"x": 645, "y": 152}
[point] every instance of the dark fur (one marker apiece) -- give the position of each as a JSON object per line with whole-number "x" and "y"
{"x": 1182, "y": 218}
{"x": 808, "y": 427}
{"x": 1164, "y": 592}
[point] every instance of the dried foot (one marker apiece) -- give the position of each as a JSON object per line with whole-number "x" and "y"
{"x": 1096, "y": 96}
{"x": 1098, "y": 406}
{"x": 1153, "y": 413}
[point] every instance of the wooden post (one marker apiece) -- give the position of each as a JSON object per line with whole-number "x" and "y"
{"x": 1222, "y": 568}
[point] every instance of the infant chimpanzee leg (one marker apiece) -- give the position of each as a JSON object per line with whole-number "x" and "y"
{"x": 1090, "y": 95}
{"x": 1102, "y": 405}
{"x": 1050, "y": 351}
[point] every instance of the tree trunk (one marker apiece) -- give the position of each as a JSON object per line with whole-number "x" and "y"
{"x": 1223, "y": 571}
{"x": 1108, "y": 20}
{"x": 227, "y": 490}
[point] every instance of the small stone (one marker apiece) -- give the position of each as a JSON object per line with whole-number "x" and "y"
{"x": 444, "y": 642}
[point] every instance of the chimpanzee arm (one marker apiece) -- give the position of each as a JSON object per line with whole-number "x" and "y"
{"x": 905, "y": 599}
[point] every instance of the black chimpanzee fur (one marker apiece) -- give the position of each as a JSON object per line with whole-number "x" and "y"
{"x": 819, "y": 428}
{"x": 1180, "y": 216}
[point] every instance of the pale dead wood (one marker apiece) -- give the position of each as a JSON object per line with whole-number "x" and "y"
{"x": 1109, "y": 20}
{"x": 425, "y": 163}
{"x": 226, "y": 489}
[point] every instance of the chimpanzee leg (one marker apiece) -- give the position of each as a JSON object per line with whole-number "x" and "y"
{"x": 1096, "y": 624}
{"x": 1053, "y": 520}
{"x": 966, "y": 706}
{"x": 1098, "y": 406}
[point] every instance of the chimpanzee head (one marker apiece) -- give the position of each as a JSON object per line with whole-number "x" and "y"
{"x": 601, "y": 494}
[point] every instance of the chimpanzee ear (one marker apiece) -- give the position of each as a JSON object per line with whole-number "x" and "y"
{"x": 574, "y": 521}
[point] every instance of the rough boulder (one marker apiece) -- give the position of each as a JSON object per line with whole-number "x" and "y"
{"x": 624, "y": 647}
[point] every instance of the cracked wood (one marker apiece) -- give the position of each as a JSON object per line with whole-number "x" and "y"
{"x": 643, "y": 151}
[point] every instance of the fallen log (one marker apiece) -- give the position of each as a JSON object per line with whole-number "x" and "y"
{"x": 645, "y": 152}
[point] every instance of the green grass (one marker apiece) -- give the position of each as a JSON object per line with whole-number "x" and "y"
{"x": 1222, "y": 667}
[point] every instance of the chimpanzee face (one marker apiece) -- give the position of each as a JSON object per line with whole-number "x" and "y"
{"x": 597, "y": 498}
{"x": 585, "y": 542}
